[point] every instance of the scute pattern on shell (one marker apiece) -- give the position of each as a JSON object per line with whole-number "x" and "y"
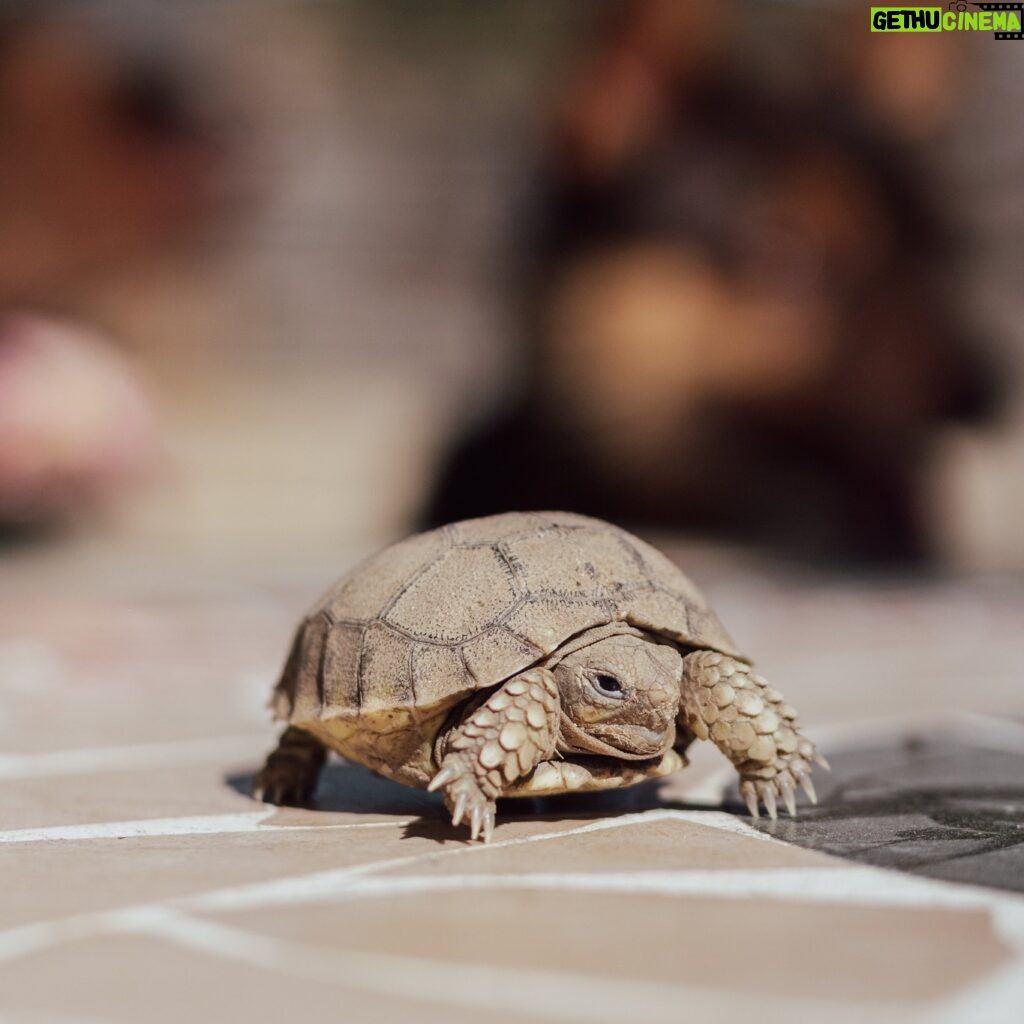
{"x": 423, "y": 624}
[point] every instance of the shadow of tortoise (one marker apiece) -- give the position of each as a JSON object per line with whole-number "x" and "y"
{"x": 352, "y": 789}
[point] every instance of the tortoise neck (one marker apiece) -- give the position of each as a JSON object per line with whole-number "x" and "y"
{"x": 588, "y": 637}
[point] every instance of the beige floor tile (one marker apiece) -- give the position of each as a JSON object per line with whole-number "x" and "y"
{"x": 57, "y": 879}
{"x": 660, "y": 845}
{"x": 749, "y": 947}
{"x": 72, "y": 799}
{"x": 128, "y": 979}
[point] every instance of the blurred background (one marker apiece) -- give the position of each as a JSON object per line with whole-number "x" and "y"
{"x": 283, "y": 281}
{"x": 279, "y": 282}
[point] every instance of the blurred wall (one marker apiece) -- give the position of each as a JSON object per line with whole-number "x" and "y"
{"x": 315, "y": 342}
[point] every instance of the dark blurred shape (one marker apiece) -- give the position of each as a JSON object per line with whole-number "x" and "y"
{"x": 739, "y": 313}
{"x": 106, "y": 149}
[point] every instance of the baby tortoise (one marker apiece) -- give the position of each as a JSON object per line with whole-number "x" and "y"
{"x": 524, "y": 654}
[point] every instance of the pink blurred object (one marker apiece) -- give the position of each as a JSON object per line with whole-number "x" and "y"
{"x": 75, "y": 422}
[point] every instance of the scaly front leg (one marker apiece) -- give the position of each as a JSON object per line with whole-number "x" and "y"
{"x": 723, "y": 700}
{"x": 497, "y": 744}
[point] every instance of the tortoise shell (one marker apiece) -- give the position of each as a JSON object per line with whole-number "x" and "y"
{"x": 412, "y": 633}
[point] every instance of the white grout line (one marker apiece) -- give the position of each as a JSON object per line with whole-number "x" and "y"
{"x": 861, "y": 886}
{"x": 321, "y": 884}
{"x": 208, "y": 824}
{"x": 212, "y": 750}
{"x": 201, "y": 825}
{"x": 34, "y": 938}
{"x": 722, "y": 820}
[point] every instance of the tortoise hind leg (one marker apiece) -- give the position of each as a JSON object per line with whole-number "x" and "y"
{"x": 292, "y": 770}
{"x": 724, "y": 701}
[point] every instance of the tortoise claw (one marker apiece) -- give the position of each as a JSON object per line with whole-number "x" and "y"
{"x": 449, "y": 773}
{"x": 460, "y": 807}
{"x": 769, "y": 791}
{"x": 750, "y": 796}
{"x": 283, "y": 787}
{"x": 463, "y": 796}
{"x": 808, "y": 788}
{"x": 785, "y": 787}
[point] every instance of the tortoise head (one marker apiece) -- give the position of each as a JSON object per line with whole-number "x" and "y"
{"x": 620, "y": 697}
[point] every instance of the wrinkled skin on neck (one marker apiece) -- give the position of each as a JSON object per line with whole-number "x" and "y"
{"x": 619, "y": 697}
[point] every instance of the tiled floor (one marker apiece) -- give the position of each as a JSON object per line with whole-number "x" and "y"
{"x": 141, "y": 884}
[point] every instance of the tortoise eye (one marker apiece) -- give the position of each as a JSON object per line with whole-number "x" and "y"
{"x": 608, "y": 685}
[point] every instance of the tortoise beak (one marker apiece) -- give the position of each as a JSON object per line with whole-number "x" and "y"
{"x": 652, "y": 738}
{"x": 635, "y": 739}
